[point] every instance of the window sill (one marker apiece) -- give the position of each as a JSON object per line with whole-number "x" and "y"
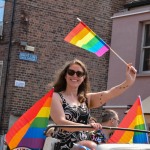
{"x": 143, "y": 74}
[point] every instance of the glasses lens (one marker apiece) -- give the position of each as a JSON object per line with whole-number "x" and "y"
{"x": 117, "y": 120}
{"x": 79, "y": 73}
{"x": 72, "y": 72}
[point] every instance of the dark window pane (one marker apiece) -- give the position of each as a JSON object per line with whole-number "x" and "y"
{"x": 146, "y": 64}
{"x": 147, "y": 35}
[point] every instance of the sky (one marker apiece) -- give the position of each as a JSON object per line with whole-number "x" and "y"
{"x": 1, "y": 9}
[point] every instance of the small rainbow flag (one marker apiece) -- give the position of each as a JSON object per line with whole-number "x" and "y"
{"x": 28, "y": 130}
{"x": 83, "y": 37}
{"x": 135, "y": 120}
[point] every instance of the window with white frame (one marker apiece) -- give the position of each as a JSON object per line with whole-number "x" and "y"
{"x": 145, "y": 57}
{"x": 1, "y": 68}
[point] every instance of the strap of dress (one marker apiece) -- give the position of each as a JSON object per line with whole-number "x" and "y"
{"x": 63, "y": 100}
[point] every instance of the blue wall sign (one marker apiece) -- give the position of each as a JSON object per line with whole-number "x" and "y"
{"x": 28, "y": 56}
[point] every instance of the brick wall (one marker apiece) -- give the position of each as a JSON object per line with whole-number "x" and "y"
{"x": 129, "y": 1}
{"x": 46, "y": 24}
{"x": 4, "y": 48}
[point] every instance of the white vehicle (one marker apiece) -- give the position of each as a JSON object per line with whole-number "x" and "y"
{"x": 108, "y": 146}
{"x": 123, "y": 147}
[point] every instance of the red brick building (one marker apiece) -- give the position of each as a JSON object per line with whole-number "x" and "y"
{"x": 35, "y": 31}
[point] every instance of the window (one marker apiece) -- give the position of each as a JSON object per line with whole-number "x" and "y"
{"x": 2, "y": 3}
{"x": 1, "y": 68}
{"x": 145, "y": 57}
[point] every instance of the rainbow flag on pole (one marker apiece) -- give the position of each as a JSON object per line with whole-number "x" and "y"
{"x": 135, "y": 120}
{"x": 83, "y": 37}
{"x": 28, "y": 130}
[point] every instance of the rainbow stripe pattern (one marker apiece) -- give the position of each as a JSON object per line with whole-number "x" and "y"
{"x": 135, "y": 120}
{"x": 28, "y": 130}
{"x": 83, "y": 37}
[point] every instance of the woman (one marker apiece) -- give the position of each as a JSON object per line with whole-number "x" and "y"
{"x": 72, "y": 100}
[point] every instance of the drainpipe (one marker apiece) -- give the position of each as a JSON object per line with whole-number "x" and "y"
{"x": 7, "y": 66}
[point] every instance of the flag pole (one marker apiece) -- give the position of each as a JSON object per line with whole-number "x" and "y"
{"x": 110, "y": 49}
{"x": 88, "y": 126}
{"x": 118, "y": 56}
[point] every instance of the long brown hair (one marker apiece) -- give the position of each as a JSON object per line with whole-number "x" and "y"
{"x": 60, "y": 82}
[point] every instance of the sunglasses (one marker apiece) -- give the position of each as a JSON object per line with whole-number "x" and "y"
{"x": 116, "y": 120}
{"x": 78, "y": 73}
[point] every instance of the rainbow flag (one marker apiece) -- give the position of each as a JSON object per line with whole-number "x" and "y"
{"x": 134, "y": 120}
{"x": 83, "y": 37}
{"x": 28, "y": 130}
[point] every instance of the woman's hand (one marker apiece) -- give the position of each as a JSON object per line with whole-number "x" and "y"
{"x": 96, "y": 126}
{"x": 130, "y": 74}
{"x": 50, "y": 132}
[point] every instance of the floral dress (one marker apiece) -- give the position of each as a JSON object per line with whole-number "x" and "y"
{"x": 78, "y": 114}
{"x": 97, "y": 136}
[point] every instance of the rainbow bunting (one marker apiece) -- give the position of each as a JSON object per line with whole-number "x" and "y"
{"x": 28, "y": 130}
{"x": 83, "y": 37}
{"x": 135, "y": 120}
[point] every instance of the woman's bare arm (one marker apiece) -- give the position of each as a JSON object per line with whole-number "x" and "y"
{"x": 98, "y": 99}
{"x": 58, "y": 116}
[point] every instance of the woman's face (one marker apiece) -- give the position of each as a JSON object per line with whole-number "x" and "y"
{"x": 74, "y": 76}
